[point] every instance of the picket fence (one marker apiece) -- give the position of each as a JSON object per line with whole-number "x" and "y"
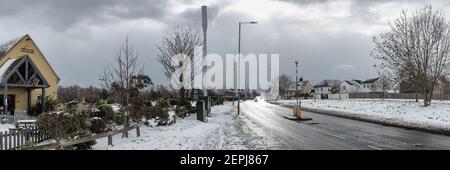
{"x": 15, "y": 139}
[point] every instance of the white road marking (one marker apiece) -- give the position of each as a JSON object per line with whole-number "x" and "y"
{"x": 373, "y": 147}
{"x": 329, "y": 133}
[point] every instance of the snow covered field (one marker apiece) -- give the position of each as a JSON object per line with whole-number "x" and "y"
{"x": 222, "y": 131}
{"x": 402, "y": 111}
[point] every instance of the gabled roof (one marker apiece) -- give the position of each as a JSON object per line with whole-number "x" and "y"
{"x": 328, "y": 83}
{"x": 7, "y": 67}
{"x": 357, "y": 81}
{"x": 370, "y": 80}
{"x": 301, "y": 85}
{"x": 349, "y": 82}
{"x": 7, "y": 46}
{"x": 29, "y": 75}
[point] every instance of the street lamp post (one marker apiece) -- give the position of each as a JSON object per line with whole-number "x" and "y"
{"x": 238, "y": 65}
{"x": 296, "y": 80}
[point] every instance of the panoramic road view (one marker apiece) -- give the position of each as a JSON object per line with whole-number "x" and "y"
{"x": 330, "y": 132}
{"x": 225, "y": 83}
{"x": 225, "y": 75}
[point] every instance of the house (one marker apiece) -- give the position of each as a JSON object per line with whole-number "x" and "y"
{"x": 25, "y": 76}
{"x": 349, "y": 86}
{"x": 326, "y": 86}
{"x": 304, "y": 88}
{"x": 372, "y": 85}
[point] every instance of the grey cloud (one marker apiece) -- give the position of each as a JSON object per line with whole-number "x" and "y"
{"x": 62, "y": 30}
{"x": 64, "y": 14}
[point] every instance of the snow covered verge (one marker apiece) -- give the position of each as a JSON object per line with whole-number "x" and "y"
{"x": 223, "y": 131}
{"x": 395, "y": 112}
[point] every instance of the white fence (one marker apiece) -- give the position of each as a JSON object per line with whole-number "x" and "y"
{"x": 12, "y": 119}
{"x": 332, "y": 96}
{"x": 397, "y": 96}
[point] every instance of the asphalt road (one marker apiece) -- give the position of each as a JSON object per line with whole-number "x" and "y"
{"x": 333, "y": 133}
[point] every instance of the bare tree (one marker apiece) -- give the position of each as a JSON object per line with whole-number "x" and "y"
{"x": 285, "y": 83}
{"x": 118, "y": 77}
{"x": 385, "y": 81}
{"x": 417, "y": 46}
{"x": 179, "y": 41}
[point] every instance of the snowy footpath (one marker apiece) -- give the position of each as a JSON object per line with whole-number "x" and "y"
{"x": 223, "y": 131}
{"x": 407, "y": 113}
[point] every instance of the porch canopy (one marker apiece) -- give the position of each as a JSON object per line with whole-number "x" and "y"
{"x": 21, "y": 72}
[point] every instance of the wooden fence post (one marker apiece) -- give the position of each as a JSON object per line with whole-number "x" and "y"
{"x": 22, "y": 134}
{"x": 13, "y": 139}
{"x": 17, "y": 139}
{"x": 138, "y": 131}
{"x": 6, "y": 140}
{"x": 110, "y": 140}
{"x": 9, "y": 142}
{"x": 34, "y": 135}
{"x": 1, "y": 140}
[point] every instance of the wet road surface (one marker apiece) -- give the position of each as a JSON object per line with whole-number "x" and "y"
{"x": 333, "y": 133}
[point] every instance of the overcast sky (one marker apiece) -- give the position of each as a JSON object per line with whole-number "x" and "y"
{"x": 331, "y": 39}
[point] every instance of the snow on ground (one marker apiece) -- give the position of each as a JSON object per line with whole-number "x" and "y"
{"x": 224, "y": 130}
{"x": 407, "y": 111}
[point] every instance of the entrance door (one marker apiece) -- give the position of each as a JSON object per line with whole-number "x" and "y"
{"x": 11, "y": 103}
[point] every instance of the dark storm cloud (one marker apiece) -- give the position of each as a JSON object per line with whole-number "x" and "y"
{"x": 64, "y": 14}
{"x": 332, "y": 39}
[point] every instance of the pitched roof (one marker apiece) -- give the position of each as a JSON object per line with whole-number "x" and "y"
{"x": 328, "y": 83}
{"x": 370, "y": 80}
{"x": 11, "y": 66}
{"x": 301, "y": 85}
{"x": 7, "y": 66}
{"x": 358, "y": 81}
{"x": 7, "y": 46}
{"x": 349, "y": 82}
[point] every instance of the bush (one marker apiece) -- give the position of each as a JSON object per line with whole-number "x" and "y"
{"x": 77, "y": 120}
{"x": 95, "y": 112}
{"x": 181, "y": 111}
{"x": 185, "y": 103}
{"x": 119, "y": 118}
{"x": 173, "y": 102}
{"x": 97, "y": 125}
{"x": 51, "y": 104}
{"x": 161, "y": 115}
{"x": 59, "y": 125}
{"x": 101, "y": 102}
{"x": 163, "y": 103}
{"x": 106, "y": 112}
